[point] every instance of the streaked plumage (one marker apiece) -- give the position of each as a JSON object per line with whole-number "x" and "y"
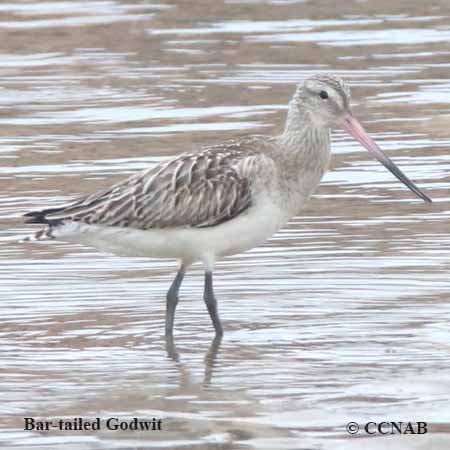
{"x": 219, "y": 201}
{"x": 192, "y": 190}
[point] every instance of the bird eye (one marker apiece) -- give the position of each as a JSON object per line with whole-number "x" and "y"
{"x": 323, "y": 94}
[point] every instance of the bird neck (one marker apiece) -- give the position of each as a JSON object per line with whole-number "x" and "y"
{"x": 301, "y": 131}
{"x": 306, "y": 140}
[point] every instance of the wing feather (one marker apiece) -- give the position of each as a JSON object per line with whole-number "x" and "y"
{"x": 193, "y": 190}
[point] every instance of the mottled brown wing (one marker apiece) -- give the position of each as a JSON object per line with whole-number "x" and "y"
{"x": 199, "y": 190}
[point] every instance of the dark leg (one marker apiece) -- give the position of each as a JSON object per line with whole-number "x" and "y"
{"x": 172, "y": 300}
{"x": 171, "y": 348}
{"x": 211, "y": 303}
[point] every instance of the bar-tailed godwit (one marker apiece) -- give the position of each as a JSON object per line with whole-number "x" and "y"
{"x": 221, "y": 200}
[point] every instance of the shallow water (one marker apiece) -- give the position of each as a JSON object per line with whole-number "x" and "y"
{"x": 343, "y": 316}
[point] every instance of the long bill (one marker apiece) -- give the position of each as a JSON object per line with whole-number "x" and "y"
{"x": 355, "y": 129}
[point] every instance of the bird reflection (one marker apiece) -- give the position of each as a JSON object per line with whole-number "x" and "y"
{"x": 210, "y": 357}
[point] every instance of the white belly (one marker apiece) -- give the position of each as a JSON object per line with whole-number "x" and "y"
{"x": 244, "y": 232}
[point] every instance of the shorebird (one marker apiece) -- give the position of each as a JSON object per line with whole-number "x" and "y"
{"x": 218, "y": 201}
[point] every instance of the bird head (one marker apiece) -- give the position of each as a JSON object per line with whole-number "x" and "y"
{"x": 326, "y": 99}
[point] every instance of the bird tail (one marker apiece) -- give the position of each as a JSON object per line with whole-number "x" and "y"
{"x": 39, "y": 217}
